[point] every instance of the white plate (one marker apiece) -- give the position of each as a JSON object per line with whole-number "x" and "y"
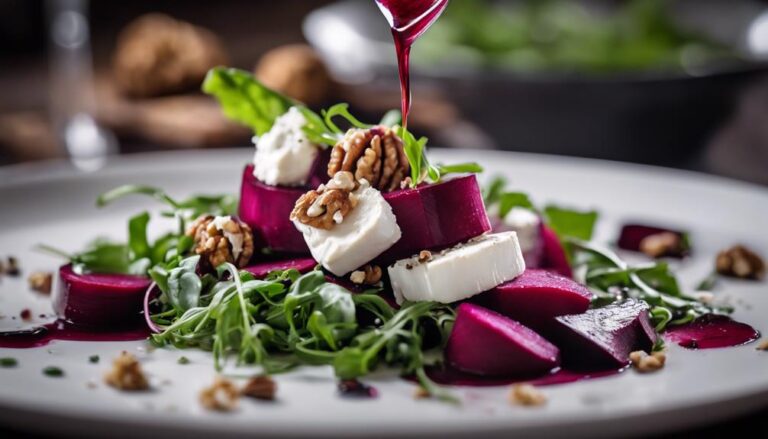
{"x": 54, "y": 205}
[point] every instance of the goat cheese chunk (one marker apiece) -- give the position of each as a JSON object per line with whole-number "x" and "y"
{"x": 526, "y": 223}
{"x": 368, "y": 230}
{"x": 284, "y": 155}
{"x": 459, "y": 272}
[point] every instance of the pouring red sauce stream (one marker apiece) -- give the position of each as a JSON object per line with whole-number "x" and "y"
{"x": 409, "y": 19}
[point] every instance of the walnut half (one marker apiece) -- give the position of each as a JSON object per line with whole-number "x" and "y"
{"x": 375, "y": 154}
{"x": 222, "y": 239}
{"x": 741, "y": 262}
{"x": 328, "y": 204}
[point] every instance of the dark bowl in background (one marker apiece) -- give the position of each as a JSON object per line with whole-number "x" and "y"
{"x": 656, "y": 117}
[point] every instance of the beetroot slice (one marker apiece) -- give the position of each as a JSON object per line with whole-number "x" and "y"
{"x": 267, "y": 209}
{"x": 603, "y": 338}
{"x": 436, "y": 216}
{"x": 553, "y": 254}
{"x": 633, "y": 234}
{"x": 536, "y": 297}
{"x": 99, "y": 300}
{"x": 429, "y": 216}
{"x": 262, "y": 269}
{"x": 483, "y": 342}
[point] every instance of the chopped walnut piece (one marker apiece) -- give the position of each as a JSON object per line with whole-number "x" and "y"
{"x": 375, "y": 154}
{"x": 41, "y": 281}
{"x": 662, "y": 244}
{"x": 222, "y": 239}
{"x": 526, "y": 395}
{"x": 369, "y": 275}
{"x": 425, "y": 256}
{"x": 644, "y": 363}
{"x": 763, "y": 346}
{"x": 221, "y": 396}
{"x": 739, "y": 261}
{"x": 260, "y": 387}
{"x": 421, "y": 393}
{"x": 126, "y": 374}
{"x": 327, "y": 205}
{"x": 12, "y": 267}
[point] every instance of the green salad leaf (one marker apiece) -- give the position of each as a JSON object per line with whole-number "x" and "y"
{"x": 290, "y": 319}
{"x": 569, "y": 223}
{"x": 139, "y": 256}
{"x": 246, "y": 100}
{"x": 612, "y": 279}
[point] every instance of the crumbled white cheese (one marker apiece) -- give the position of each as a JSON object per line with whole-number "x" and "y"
{"x": 459, "y": 272}
{"x": 284, "y": 155}
{"x": 368, "y": 230}
{"x": 235, "y": 239}
{"x": 526, "y": 223}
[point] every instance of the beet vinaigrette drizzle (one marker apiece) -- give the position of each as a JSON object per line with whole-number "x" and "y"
{"x": 409, "y": 19}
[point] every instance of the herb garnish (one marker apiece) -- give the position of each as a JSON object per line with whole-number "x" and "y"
{"x": 248, "y": 101}
{"x": 138, "y": 256}
{"x": 289, "y": 319}
{"x": 612, "y": 279}
{"x": 94, "y": 359}
{"x": 183, "y": 360}
{"x": 53, "y": 371}
{"x": 8, "y": 362}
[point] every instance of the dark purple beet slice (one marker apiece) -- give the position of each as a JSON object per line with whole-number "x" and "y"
{"x": 483, "y": 342}
{"x": 603, "y": 338}
{"x": 99, "y": 300}
{"x": 633, "y": 234}
{"x": 553, "y": 254}
{"x": 436, "y": 216}
{"x": 536, "y": 297}
{"x": 711, "y": 331}
{"x": 267, "y": 210}
{"x": 262, "y": 269}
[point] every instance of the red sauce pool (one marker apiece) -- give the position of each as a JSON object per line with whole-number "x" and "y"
{"x": 60, "y": 330}
{"x": 712, "y": 331}
{"x": 452, "y": 377}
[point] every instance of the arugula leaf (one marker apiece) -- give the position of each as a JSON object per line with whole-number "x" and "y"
{"x": 493, "y": 190}
{"x": 184, "y": 286}
{"x": 137, "y": 236}
{"x": 569, "y": 223}
{"x": 509, "y": 200}
{"x": 102, "y": 256}
{"x": 246, "y": 100}
{"x": 460, "y": 168}
{"x": 316, "y": 130}
{"x": 343, "y": 111}
{"x": 391, "y": 118}
{"x": 612, "y": 279}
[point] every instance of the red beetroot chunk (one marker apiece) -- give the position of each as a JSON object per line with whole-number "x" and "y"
{"x": 483, "y": 342}
{"x": 553, "y": 253}
{"x": 99, "y": 300}
{"x": 536, "y": 297}
{"x": 267, "y": 209}
{"x": 436, "y": 216}
{"x": 603, "y": 338}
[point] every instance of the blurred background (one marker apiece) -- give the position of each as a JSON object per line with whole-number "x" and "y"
{"x": 680, "y": 83}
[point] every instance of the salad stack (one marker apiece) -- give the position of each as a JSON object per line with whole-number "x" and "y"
{"x": 349, "y": 248}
